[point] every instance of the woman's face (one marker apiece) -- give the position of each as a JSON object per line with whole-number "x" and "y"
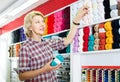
{"x": 38, "y": 25}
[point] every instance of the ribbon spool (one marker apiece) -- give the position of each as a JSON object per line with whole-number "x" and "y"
{"x": 101, "y": 47}
{"x": 102, "y": 42}
{"x": 108, "y": 46}
{"x": 109, "y": 40}
{"x": 109, "y": 34}
{"x": 108, "y": 26}
{"x": 96, "y": 41}
{"x": 96, "y": 47}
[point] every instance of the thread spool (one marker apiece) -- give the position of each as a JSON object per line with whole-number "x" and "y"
{"x": 116, "y": 45}
{"x": 101, "y": 47}
{"x": 108, "y": 46}
{"x": 109, "y": 40}
{"x": 106, "y": 75}
{"x": 115, "y": 24}
{"x": 112, "y": 75}
{"x": 100, "y": 76}
{"x": 109, "y": 34}
{"x": 102, "y": 41}
{"x": 108, "y": 26}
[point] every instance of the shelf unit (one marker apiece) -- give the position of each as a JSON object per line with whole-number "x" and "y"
{"x": 92, "y": 58}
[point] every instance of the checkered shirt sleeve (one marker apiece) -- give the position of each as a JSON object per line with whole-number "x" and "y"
{"x": 57, "y": 43}
{"x": 24, "y": 60}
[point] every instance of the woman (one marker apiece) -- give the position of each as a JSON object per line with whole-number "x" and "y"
{"x": 36, "y": 54}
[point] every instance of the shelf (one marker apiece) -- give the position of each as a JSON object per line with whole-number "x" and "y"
{"x": 110, "y": 19}
{"x": 100, "y": 52}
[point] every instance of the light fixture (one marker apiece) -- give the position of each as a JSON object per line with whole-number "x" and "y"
{"x": 22, "y": 7}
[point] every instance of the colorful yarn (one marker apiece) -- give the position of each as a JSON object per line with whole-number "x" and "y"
{"x": 108, "y": 46}
{"x": 102, "y": 41}
{"x": 109, "y": 40}
{"x": 108, "y": 26}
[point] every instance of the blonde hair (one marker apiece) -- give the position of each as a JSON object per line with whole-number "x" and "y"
{"x": 28, "y": 22}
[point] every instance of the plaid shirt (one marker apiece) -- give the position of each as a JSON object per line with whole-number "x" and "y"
{"x": 34, "y": 55}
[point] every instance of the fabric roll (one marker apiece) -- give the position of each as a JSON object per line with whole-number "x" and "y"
{"x": 109, "y": 40}
{"x": 96, "y": 41}
{"x": 96, "y": 47}
{"x": 109, "y": 34}
{"x": 108, "y": 26}
{"x": 102, "y": 41}
{"x": 114, "y": 13}
{"x": 108, "y": 46}
{"x": 101, "y": 47}
{"x": 96, "y": 27}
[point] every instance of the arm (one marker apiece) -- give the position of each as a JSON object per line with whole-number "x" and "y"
{"x": 34, "y": 73}
{"x": 81, "y": 13}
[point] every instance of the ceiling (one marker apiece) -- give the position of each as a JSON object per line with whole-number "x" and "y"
{"x": 6, "y": 6}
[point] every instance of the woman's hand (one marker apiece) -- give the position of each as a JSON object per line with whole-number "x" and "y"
{"x": 81, "y": 13}
{"x": 48, "y": 67}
